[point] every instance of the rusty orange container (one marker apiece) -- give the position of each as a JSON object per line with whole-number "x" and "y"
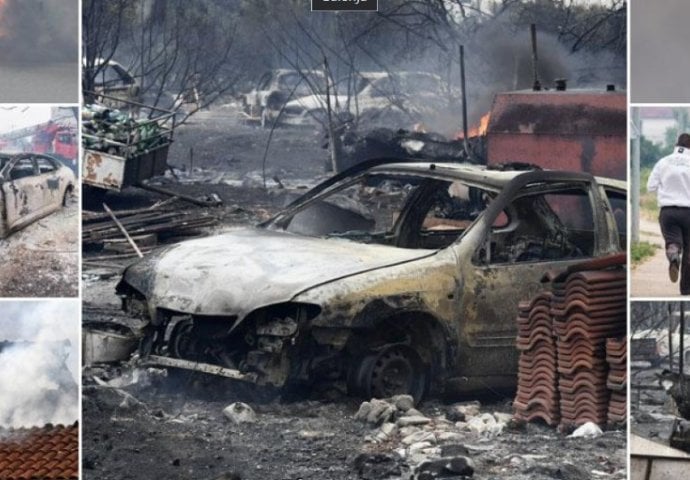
{"x": 577, "y": 130}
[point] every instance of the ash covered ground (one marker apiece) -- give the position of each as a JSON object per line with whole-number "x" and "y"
{"x": 652, "y": 411}
{"x": 167, "y": 425}
{"x": 42, "y": 259}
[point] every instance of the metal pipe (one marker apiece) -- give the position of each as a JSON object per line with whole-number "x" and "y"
{"x": 465, "y": 129}
{"x": 670, "y": 338}
{"x": 635, "y": 176}
{"x": 681, "y": 342}
{"x": 536, "y": 86}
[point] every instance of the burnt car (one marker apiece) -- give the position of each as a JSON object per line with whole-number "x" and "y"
{"x": 275, "y": 88}
{"x": 115, "y": 81}
{"x": 389, "y": 277}
{"x": 398, "y": 99}
{"x": 32, "y": 186}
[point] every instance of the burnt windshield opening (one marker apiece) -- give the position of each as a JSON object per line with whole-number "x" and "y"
{"x": 405, "y": 211}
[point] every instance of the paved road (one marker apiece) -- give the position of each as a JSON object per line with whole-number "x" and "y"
{"x": 650, "y": 279}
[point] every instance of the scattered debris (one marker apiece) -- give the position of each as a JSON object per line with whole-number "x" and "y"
{"x": 161, "y": 223}
{"x": 587, "y": 430}
{"x": 240, "y": 412}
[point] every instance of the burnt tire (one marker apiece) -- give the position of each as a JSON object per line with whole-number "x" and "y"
{"x": 395, "y": 370}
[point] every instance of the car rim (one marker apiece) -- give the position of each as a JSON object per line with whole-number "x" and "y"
{"x": 393, "y": 371}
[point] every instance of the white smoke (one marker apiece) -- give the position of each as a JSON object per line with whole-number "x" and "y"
{"x": 39, "y": 363}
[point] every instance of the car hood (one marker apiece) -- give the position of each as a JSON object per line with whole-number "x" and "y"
{"x": 239, "y": 271}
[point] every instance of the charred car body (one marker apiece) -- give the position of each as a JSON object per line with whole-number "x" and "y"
{"x": 31, "y": 187}
{"x": 392, "y": 277}
{"x": 275, "y": 88}
{"x": 400, "y": 99}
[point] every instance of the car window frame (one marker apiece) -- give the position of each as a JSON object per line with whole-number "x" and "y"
{"x": 543, "y": 188}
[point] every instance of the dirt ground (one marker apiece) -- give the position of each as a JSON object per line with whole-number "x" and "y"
{"x": 652, "y": 411}
{"x": 650, "y": 279}
{"x": 42, "y": 260}
{"x": 173, "y": 427}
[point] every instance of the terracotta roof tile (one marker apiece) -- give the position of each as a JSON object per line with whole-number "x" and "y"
{"x": 45, "y": 453}
{"x": 581, "y": 376}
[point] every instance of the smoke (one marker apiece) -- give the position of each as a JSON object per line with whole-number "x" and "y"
{"x": 43, "y": 31}
{"x": 39, "y": 363}
{"x": 498, "y": 58}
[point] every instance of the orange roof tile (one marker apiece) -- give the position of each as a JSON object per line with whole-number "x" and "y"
{"x": 45, "y": 453}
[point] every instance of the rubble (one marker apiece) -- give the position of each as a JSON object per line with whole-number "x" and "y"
{"x": 240, "y": 412}
{"x": 587, "y": 430}
{"x": 161, "y": 223}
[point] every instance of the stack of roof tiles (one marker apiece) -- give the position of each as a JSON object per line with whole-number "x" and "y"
{"x": 46, "y": 453}
{"x": 616, "y": 355}
{"x": 537, "y": 394}
{"x": 586, "y": 306}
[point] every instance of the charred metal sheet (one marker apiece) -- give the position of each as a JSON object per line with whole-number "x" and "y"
{"x": 103, "y": 170}
{"x": 99, "y": 346}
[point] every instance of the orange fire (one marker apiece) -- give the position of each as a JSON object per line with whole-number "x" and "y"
{"x": 477, "y": 130}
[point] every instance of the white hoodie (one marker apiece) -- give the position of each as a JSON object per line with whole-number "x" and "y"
{"x": 670, "y": 179}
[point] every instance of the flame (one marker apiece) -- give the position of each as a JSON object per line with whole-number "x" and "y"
{"x": 478, "y": 129}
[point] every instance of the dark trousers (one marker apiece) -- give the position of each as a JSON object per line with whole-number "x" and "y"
{"x": 675, "y": 227}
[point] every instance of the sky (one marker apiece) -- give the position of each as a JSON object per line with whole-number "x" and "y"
{"x": 658, "y": 51}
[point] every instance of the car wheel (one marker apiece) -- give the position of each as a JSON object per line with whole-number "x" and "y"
{"x": 395, "y": 370}
{"x": 66, "y": 197}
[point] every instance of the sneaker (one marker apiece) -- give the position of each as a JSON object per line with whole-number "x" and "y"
{"x": 674, "y": 267}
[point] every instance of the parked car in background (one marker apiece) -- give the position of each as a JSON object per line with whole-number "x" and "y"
{"x": 275, "y": 88}
{"x": 393, "y": 100}
{"x": 114, "y": 80}
{"x": 31, "y": 187}
{"x": 390, "y": 277}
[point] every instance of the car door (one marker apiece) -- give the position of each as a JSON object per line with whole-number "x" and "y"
{"x": 540, "y": 230}
{"x": 51, "y": 183}
{"x": 22, "y": 192}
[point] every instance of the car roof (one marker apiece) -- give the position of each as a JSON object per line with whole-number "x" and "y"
{"x": 477, "y": 174}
